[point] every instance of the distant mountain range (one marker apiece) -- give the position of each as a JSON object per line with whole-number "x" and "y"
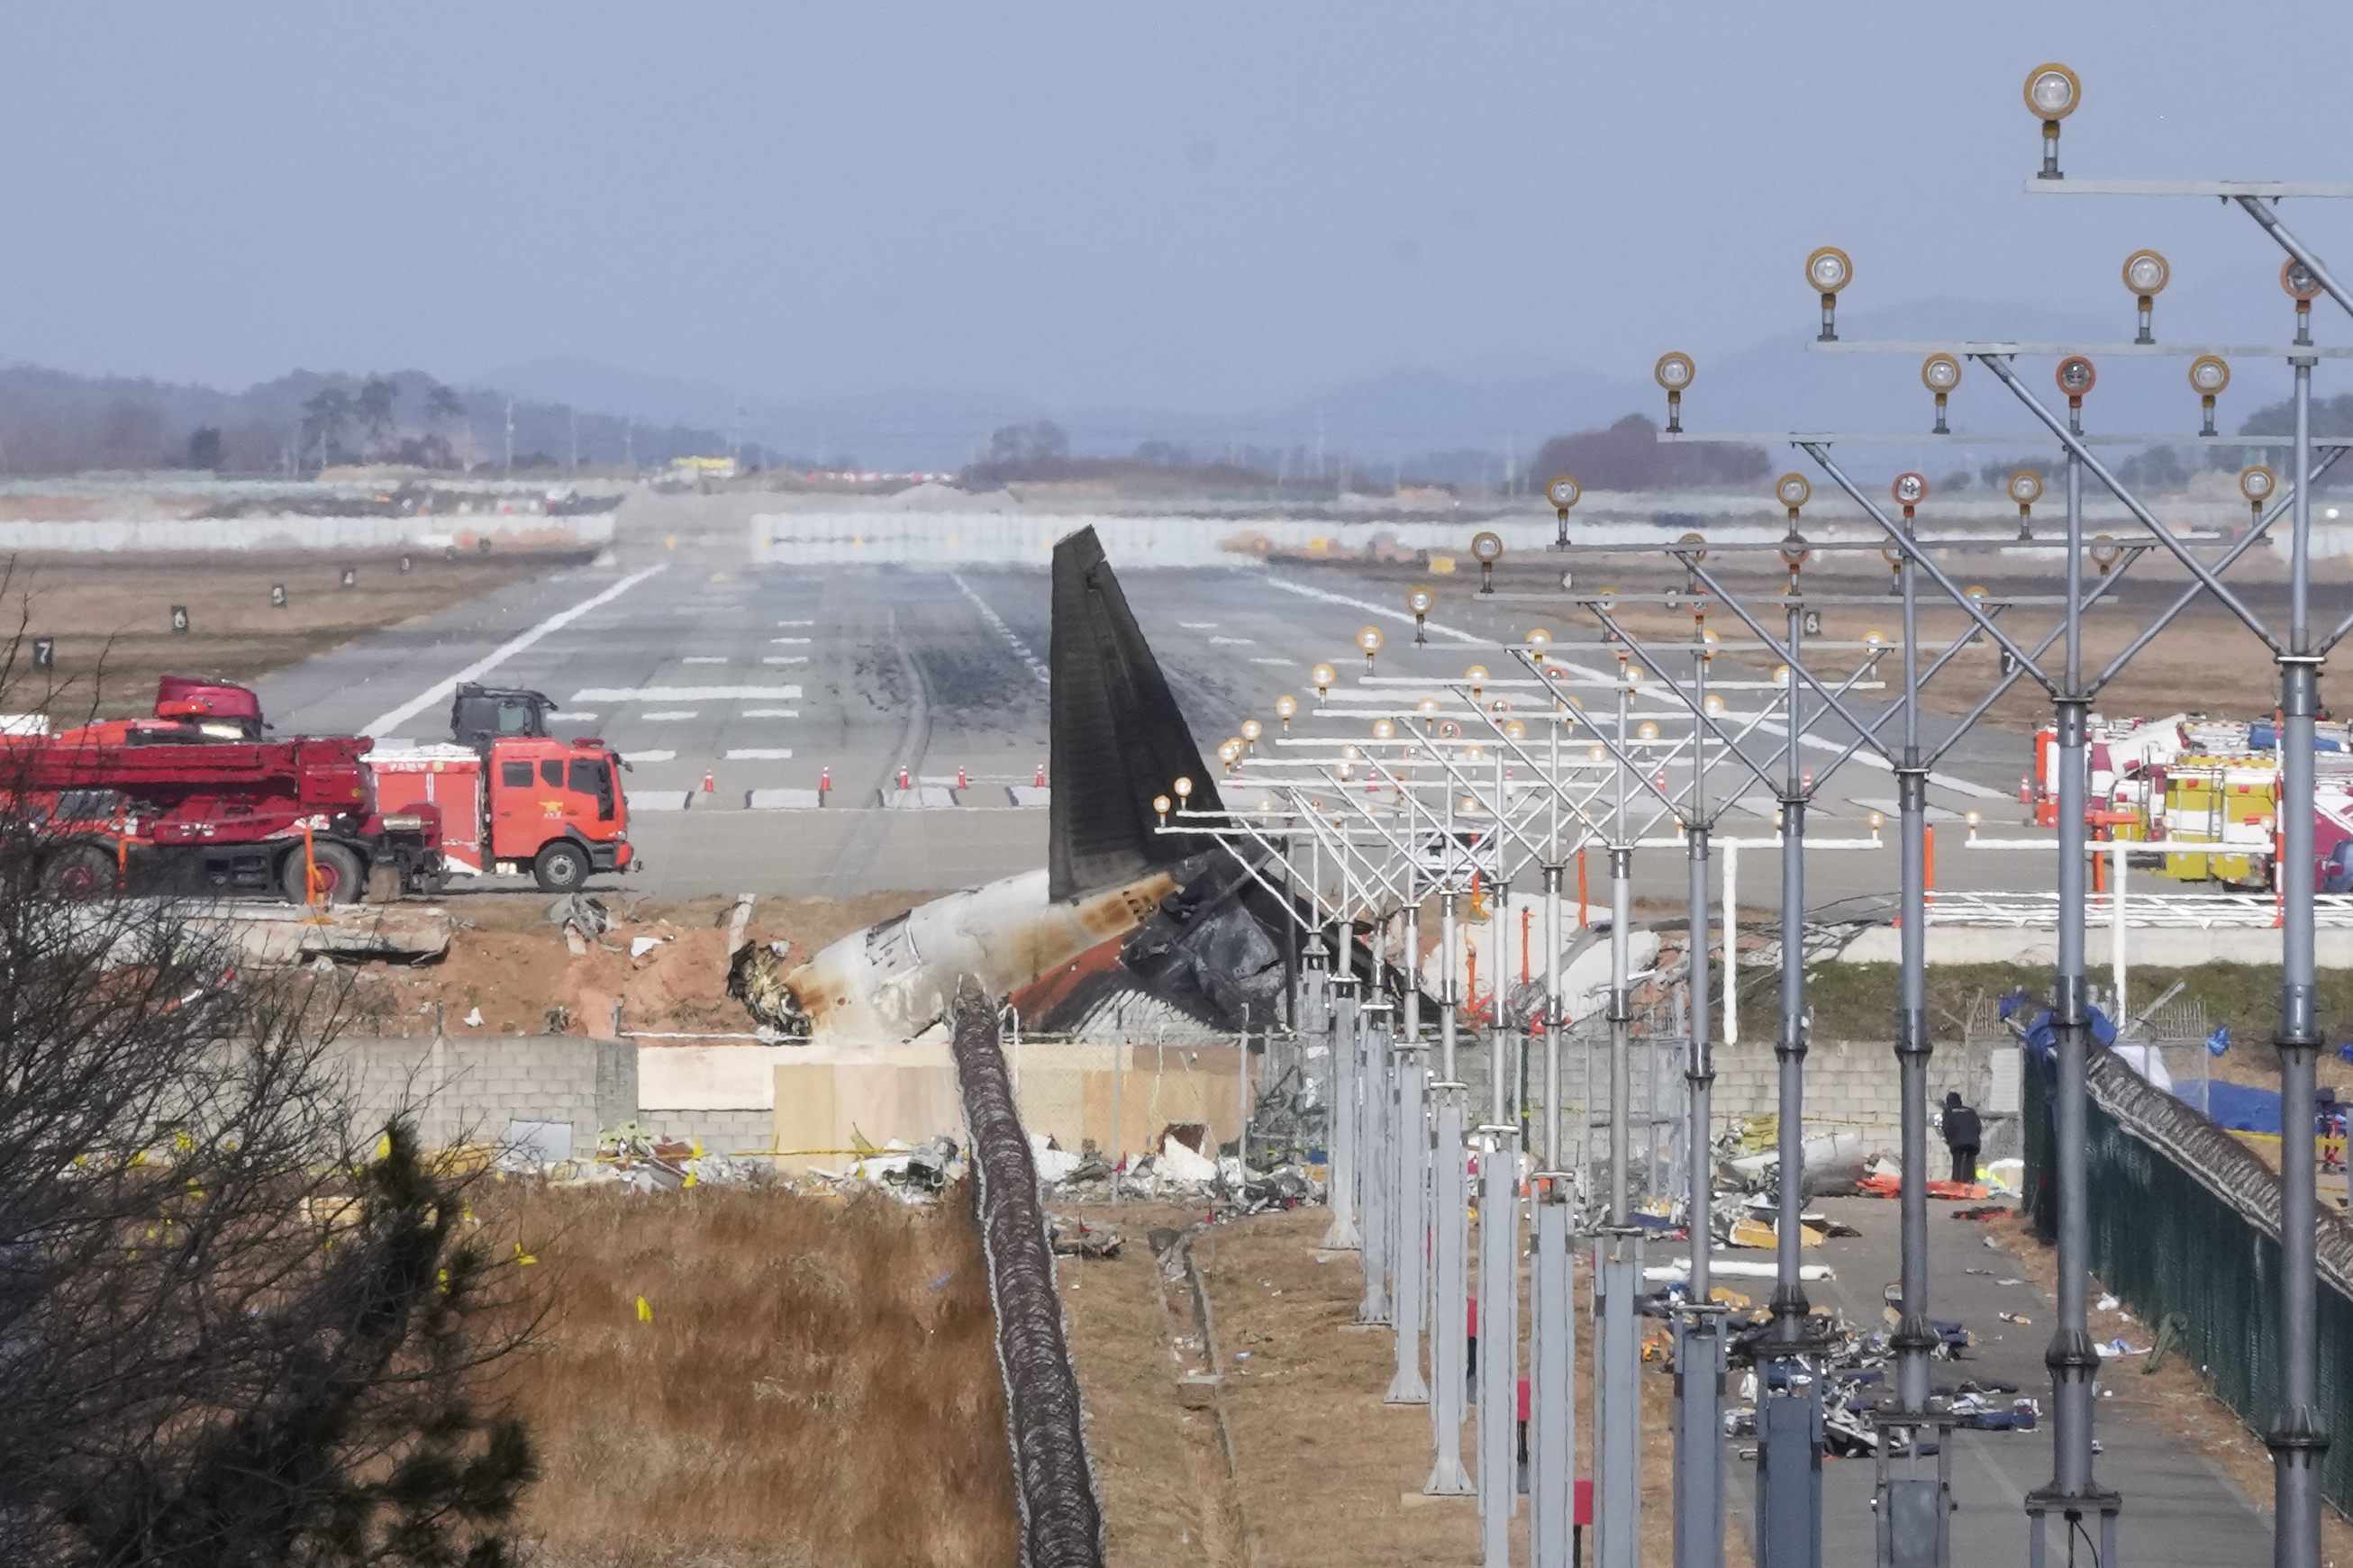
{"x": 1463, "y": 426}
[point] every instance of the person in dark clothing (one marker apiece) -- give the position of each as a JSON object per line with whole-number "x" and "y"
{"x": 1961, "y": 1136}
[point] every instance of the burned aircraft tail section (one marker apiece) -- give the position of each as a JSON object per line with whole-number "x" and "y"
{"x": 1117, "y": 738}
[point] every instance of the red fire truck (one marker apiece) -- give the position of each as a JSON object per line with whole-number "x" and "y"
{"x": 193, "y": 802}
{"x": 510, "y": 798}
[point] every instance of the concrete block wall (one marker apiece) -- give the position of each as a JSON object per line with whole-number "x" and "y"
{"x": 460, "y": 1089}
{"x": 1855, "y": 1083}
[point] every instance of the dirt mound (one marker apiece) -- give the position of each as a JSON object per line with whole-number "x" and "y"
{"x": 510, "y": 962}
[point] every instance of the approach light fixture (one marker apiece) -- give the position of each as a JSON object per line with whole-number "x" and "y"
{"x": 1633, "y": 675}
{"x": 1646, "y": 730}
{"x": 2053, "y": 92}
{"x": 1320, "y": 677}
{"x": 1714, "y": 705}
{"x": 1447, "y": 730}
{"x": 1286, "y": 707}
{"x": 2025, "y": 488}
{"x": 1874, "y": 640}
{"x": 1160, "y": 805}
{"x": 1696, "y": 544}
{"x": 2257, "y": 484}
{"x": 1940, "y": 373}
{"x": 1795, "y": 551}
{"x": 1487, "y": 549}
{"x": 1878, "y": 819}
{"x": 2209, "y": 374}
{"x": 2303, "y": 286}
{"x": 1515, "y": 729}
{"x": 1428, "y": 708}
{"x": 1384, "y": 730}
{"x": 1979, "y": 594}
{"x": 1829, "y": 270}
{"x": 1251, "y": 730}
{"x": 1369, "y": 638}
{"x": 2144, "y": 278}
{"x": 1596, "y": 754}
{"x": 1184, "y": 787}
{"x": 1909, "y": 490}
{"x": 2075, "y": 377}
{"x": 1420, "y": 601}
{"x": 1563, "y": 492}
{"x": 1477, "y": 675}
{"x": 1229, "y": 752}
{"x": 1794, "y": 492}
{"x": 1975, "y": 819}
{"x": 1674, "y": 372}
{"x": 2104, "y": 552}
{"x": 1780, "y": 675}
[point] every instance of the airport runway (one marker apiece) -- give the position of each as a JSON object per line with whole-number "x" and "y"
{"x": 769, "y": 682}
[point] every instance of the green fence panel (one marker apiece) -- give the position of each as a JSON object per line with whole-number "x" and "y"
{"x": 2185, "y": 1218}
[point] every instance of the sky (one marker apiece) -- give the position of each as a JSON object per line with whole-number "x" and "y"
{"x": 1212, "y": 205}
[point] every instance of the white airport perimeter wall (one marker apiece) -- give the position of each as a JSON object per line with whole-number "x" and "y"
{"x": 198, "y": 535}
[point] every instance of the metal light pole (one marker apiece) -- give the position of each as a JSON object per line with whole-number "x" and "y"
{"x": 1410, "y": 1142}
{"x": 1790, "y": 1419}
{"x": 1341, "y": 1234}
{"x": 1552, "y": 1330}
{"x": 1498, "y": 1325}
{"x": 1699, "y": 1348}
{"x": 1376, "y": 1159}
{"x": 1617, "y": 1412}
{"x": 1448, "y": 1351}
{"x": 2072, "y": 1491}
{"x": 2299, "y": 1434}
{"x": 1914, "y": 1510}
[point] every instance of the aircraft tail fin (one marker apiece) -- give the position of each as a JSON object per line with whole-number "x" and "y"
{"x": 1117, "y": 738}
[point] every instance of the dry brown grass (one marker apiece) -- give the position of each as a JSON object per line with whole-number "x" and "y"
{"x": 818, "y": 1385}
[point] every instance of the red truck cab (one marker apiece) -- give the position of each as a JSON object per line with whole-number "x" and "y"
{"x": 557, "y": 808}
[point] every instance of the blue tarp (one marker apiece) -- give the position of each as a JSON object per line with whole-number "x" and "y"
{"x": 2234, "y": 1107}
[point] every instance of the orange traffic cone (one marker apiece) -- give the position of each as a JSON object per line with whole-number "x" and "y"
{"x": 710, "y": 785}
{"x": 902, "y": 775}
{"x": 824, "y": 780}
{"x": 1041, "y": 775}
{"x": 960, "y": 779}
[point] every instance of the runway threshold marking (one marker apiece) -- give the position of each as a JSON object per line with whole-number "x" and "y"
{"x": 683, "y": 693}
{"x": 439, "y": 690}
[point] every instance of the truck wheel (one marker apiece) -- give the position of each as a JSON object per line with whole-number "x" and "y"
{"x": 561, "y": 867}
{"x": 341, "y": 880}
{"x": 78, "y": 872}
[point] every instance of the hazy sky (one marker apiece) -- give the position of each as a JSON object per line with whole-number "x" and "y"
{"x": 1205, "y": 205}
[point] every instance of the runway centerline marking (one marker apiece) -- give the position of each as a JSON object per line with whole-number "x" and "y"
{"x": 997, "y": 622}
{"x": 705, "y": 658}
{"x": 668, "y": 713}
{"x": 440, "y": 690}
{"x": 769, "y": 713}
{"x": 759, "y": 754}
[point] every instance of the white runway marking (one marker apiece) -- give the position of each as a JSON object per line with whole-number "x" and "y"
{"x": 1198, "y": 625}
{"x": 795, "y": 622}
{"x": 705, "y": 658}
{"x": 668, "y": 713}
{"x": 759, "y": 754}
{"x": 1233, "y": 642}
{"x": 786, "y": 659}
{"x": 997, "y": 622}
{"x": 440, "y": 690}
{"x": 770, "y": 713}
{"x": 648, "y": 756}
{"x": 684, "y": 693}
{"x": 1304, "y": 592}
{"x": 1286, "y": 662}
{"x": 792, "y": 641}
